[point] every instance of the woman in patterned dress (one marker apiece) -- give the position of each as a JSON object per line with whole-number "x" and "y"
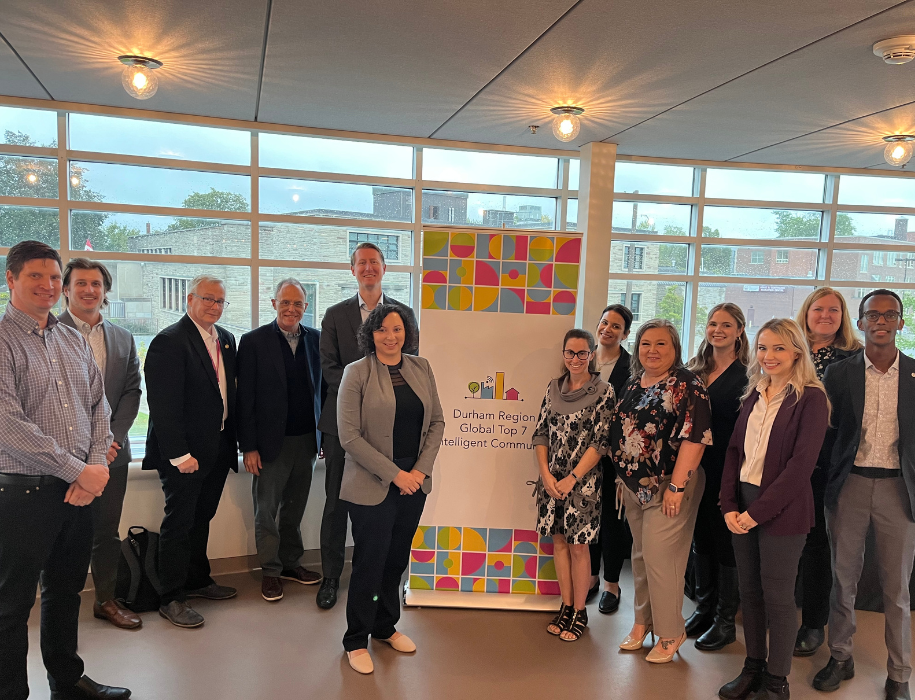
{"x": 658, "y": 433}
{"x": 569, "y": 439}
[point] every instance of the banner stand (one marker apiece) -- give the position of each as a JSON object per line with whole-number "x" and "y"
{"x": 481, "y": 601}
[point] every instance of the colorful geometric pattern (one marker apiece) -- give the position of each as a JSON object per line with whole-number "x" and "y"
{"x": 500, "y": 272}
{"x": 482, "y": 560}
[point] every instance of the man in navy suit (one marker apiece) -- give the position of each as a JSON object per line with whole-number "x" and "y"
{"x": 279, "y": 404}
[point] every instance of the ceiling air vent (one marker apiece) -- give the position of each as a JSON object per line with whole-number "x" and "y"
{"x": 895, "y": 51}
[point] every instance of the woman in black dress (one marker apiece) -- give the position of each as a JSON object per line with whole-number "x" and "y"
{"x": 721, "y": 364}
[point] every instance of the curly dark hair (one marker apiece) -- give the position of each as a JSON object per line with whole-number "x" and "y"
{"x": 366, "y": 333}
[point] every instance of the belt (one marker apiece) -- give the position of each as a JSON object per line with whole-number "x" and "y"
{"x": 876, "y": 472}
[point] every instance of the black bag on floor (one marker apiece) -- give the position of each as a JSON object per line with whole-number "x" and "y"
{"x": 138, "y": 580}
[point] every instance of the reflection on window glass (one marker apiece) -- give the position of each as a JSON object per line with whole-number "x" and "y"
{"x": 648, "y": 217}
{"x": 489, "y": 168}
{"x": 159, "y": 235}
{"x": 29, "y": 224}
{"x": 319, "y": 243}
{"x": 762, "y": 185}
{"x": 648, "y": 178}
{"x": 28, "y": 127}
{"x": 905, "y": 339}
{"x": 335, "y": 199}
{"x": 872, "y": 266}
{"x": 648, "y": 300}
{"x": 719, "y": 260}
{"x": 877, "y": 191}
{"x": 156, "y": 139}
{"x": 574, "y": 173}
{"x": 572, "y": 215}
{"x": 162, "y": 187}
{"x": 648, "y": 258}
{"x": 759, "y": 303}
{"x": 28, "y": 177}
{"x": 324, "y": 288}
{"x": 489, "y": 210}
{"x": 741, "y": 222}
{"x": 335, "y": 156}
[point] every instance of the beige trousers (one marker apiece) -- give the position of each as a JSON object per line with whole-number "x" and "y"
{"x": 660, "y": 549}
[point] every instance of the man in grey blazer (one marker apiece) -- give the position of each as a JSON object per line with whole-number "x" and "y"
{"x": 86, "y": 284}
{"x": 338, "y": 349}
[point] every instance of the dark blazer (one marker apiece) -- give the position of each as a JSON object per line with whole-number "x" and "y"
{"x": 122, "y": 383}
{"x": 785, "y": 502}
{"x": 185, "y": 406}
{"x": 340, "y": 348}
{"x": 620, "y": 374}
{"x": 845, "y": 385}
{"x": 262, "y": 388}
{"x": 826, "y": 450}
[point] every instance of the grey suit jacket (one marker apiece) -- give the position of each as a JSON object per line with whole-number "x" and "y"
{"x": 365, "y": 419}
{"x": 122, "y": 383}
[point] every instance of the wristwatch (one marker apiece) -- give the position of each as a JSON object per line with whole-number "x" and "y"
{"x": 675, "y": 489}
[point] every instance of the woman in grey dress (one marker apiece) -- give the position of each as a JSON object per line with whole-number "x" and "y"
{"x": 569, "y": 439}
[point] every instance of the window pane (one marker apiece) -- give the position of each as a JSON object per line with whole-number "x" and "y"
{"x": 647, "y": 178}
{"x": 759, "y": 303}
{"x": 873, "y": 266}
{"x": 161, "y": 187}
{"x": 335, "y": 156}
{"x": 29, "y": 224}
{"x": 138, "y": 137}
{"x": 718, "y": 260}
{"x": 490, "y": 210}
{"x": 324, "y": 288}
{"x": 905, "y": 339}
{"x": 28, "y": 127}
{"x": 649, "y": 258}
{"x": 574, "y": 173}
{"x": 159, "y": 235}
{"x": 882, "y": 229}
{"x": 489, "y": 168}
{"x": 281, "y": 241}
{"x": 755, "y": 184}
{"x": 572, "y": 215}
{"x": 28, "y": 177}
{"x": 335, "y": 199}
{"x": 740, "y": 222}
{"x": 648, "y": 300}
{"x": 877, "y": 191}
{"x": 665, "y": 219}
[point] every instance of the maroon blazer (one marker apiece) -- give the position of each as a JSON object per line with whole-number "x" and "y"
{"x": 785, "y": 502}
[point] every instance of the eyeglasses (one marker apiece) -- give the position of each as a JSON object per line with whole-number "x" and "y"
{"x": 209, "y": 301}
{"x": 581, "y": 354}
{"x": 285, "y": 304}
{"x": 890, "y": 316}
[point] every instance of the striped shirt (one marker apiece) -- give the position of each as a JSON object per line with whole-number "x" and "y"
{"x": 54, "y": 418}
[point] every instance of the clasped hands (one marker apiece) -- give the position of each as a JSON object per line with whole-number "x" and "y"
{"x": 558, "y": 488}
{"x": 409, "y": 482}
{"x": 739, "y": 523}
{"x": 88, "y": 486}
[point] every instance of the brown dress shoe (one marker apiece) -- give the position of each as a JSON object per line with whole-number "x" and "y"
{"x": 301, "y": 575}
{"x": 271, "y": 588}
{"x": 117, "y": 615}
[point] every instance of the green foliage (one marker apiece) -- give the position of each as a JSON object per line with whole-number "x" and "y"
{"x": 905, "y": 339}
{"x": 671, "y": 306}
{"x": 718, "y": 260}
{"x": 790, "y": 224}
{"x": 217, "y": 200}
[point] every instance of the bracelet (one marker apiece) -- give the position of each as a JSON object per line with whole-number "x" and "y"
{"x": 576, "y": 477}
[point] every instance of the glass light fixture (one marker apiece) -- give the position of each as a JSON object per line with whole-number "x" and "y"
{"x": 138, "y": 78}
{"x": 899, "y": 149}
{"x": 566, "y": 125}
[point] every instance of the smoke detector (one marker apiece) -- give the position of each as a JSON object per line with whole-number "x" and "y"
{"x": 895, "y": 51}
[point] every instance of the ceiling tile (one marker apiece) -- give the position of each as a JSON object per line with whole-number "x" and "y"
{"x": 15, "y": 80}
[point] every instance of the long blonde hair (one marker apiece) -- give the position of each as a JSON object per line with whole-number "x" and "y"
{"x": 803, "y": 374}
{"x": 702, "y": 364}
{"x": 845, "y": 336}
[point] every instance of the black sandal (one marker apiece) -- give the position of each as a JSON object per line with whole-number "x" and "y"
{"x": 561, "y": 621}
{"x": 577, "y": 625}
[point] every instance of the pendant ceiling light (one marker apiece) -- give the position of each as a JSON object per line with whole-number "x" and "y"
{"x": 899, "y": 148}
{"x": 138, "y": 78}
{"x": 566, "y": 125}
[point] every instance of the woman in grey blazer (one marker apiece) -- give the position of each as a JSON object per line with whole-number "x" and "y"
{"x": 391, "y": 424}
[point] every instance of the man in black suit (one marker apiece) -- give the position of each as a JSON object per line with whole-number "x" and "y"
{"x": 190, "y": 384}
{"x": 279, "y": 403}
{"x": 338, "y": 349}
{"x": 871, "y": 484}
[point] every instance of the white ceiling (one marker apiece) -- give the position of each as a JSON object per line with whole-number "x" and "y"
{"x": 779, "y": 81}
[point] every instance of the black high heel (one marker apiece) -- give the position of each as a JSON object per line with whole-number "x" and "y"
{"x": 561, "y": 621}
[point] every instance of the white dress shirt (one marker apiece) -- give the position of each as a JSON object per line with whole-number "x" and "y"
{"x": 365, "y": 310}
{"x": 879, "y": 445}
{"x": 759, "y": 426}
{"x": 95, "y": 336}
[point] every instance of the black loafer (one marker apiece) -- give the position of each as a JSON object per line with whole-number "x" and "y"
{"x": 609, "y": 602}
{"x": 327, "y": 594}
{"x": 592, "y": 592}
{"x": 832, "y": 675}
{"x": 88, "y": 689}
{"x": 809, "y": 639}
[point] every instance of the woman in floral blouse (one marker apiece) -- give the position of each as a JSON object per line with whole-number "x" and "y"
{"x": 657, "y": 436}
{"x": 569, "y": 439}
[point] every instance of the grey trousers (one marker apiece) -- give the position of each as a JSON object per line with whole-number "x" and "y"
{"x": 883, "y": 503}
{"x": 280, "y": 494}
{"x": 106, "y": 540}
{"x": 660, "y": 548}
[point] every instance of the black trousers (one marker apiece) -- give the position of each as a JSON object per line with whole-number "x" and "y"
{"x": 191, "y": 501}
{"x": 614, "y": 545}
{"x": 816, "y": 560}
{"x": 41, "y": 538}
{"x": 382, "y": 536}
{"x": 333, "y": 523}
{"x": 711, "y": 537}
{"x": 106, "y": 543}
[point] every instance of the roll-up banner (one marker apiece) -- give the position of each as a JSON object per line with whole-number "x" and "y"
{"x": 495, "y": 307}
